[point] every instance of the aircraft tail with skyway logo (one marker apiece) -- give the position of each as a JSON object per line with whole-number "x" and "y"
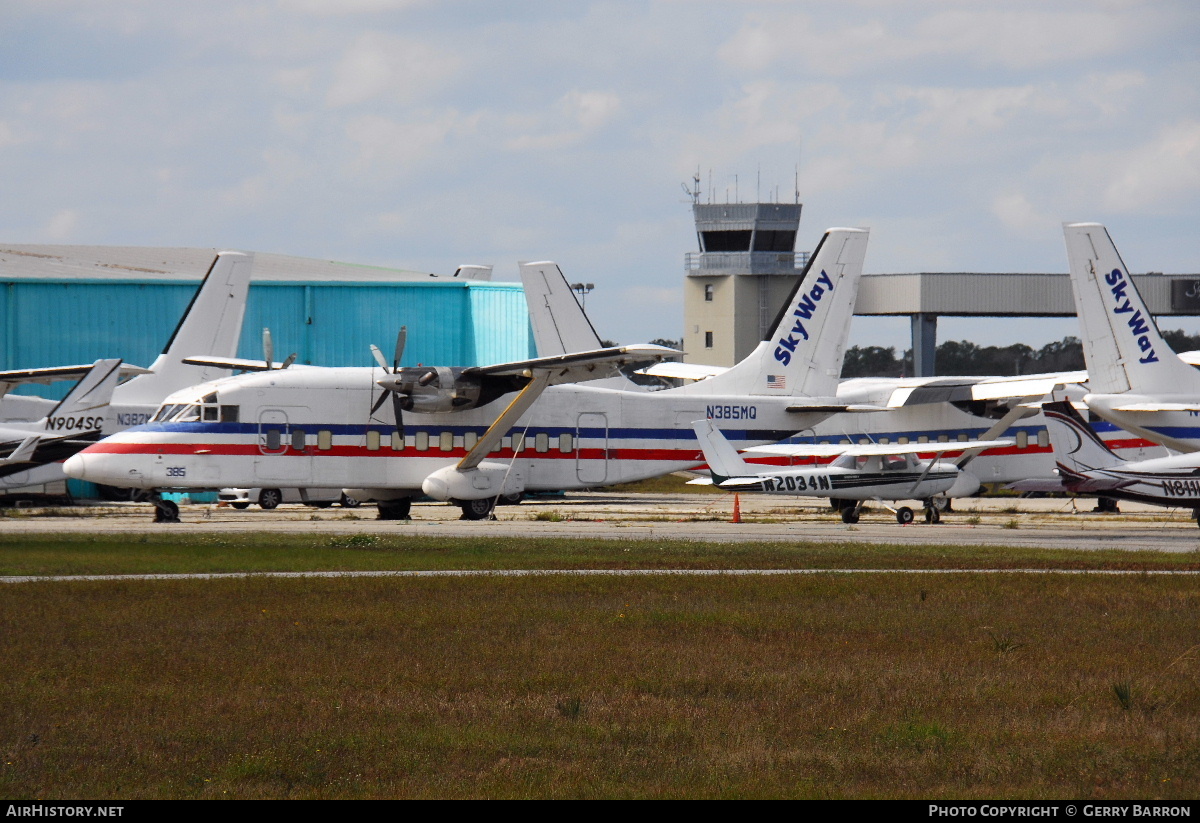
{"x": 801, "y": 354}
{"x": 1123, "y": 348}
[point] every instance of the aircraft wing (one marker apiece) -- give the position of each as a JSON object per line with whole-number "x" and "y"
{"x": 1192, "y": 358}
{"x": 240, "y": 363}
{"x": 838, "y": 449}
{"x": 53, "y": 374}
{"x": 579, "y": 366}
{"x": 1088, "y": 485}
{"x": 961, "y": 389}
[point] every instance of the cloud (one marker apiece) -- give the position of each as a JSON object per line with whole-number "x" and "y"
{"x": 577, "y": 116}
{"x": 1020, "y": 216}
{"x": 61, "y": 226}
{"x": 1159, "y": 174}
{"x": 381, "y": 67}
{"x": 387, "y": 148}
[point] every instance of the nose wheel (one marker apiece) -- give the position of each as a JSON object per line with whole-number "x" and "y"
{"x": 850, "y": 513}
{"x": 904, "y": 515}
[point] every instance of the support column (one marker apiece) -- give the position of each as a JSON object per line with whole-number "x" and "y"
{"x": 924, "y": 344}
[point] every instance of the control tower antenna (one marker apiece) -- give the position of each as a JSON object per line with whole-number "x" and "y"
{"x": 694, "y": 191}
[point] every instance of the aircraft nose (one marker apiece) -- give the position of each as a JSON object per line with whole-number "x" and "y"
{"x": 75, "y": 466}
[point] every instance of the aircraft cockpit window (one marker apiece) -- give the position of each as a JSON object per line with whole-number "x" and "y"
{"x": 186, "y": 414}
{"x": 229, "y": 414}
{"x": 209, "y": 399}
{"x": 894, "y": 463}
{"x": 164, "y": 412}
{"x": 846, "y": 461}
{"x": 211, "y": 413}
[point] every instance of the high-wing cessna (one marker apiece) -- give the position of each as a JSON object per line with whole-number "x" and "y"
{"x": 858, "y": 474}
{"x": 211, "y": 324}
{"x": 1085, "y": 465}
{"x": 72, "y": 424}
{"x": 470, "y": 435}
{"x": 1136, "y": 381}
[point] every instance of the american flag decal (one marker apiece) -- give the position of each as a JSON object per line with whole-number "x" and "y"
{"x": 776, "y": 381}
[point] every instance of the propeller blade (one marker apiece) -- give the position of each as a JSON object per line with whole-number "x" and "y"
{"x": 291, "y": 358}
{"x": 397, "y": 409}
{"x": 401, "y": 338}
{"x": 379, "y": 359}
{"x": 268, "y": 348}
{"x": 379, "y": 402}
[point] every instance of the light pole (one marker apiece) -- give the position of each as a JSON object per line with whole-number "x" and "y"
{"x": 583, "y": 289}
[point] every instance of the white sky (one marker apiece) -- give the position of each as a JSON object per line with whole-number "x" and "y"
{"x": 428, "y": 134}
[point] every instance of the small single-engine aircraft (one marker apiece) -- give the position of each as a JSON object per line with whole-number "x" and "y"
{"x": 73, "y": 424}
{"x": 1085, "y": 465}
{"x": 859, "y": 473}
{"x": 472, "y": 435}
{"x": 1135, "y": 380}
{"x": 211, "y": 324}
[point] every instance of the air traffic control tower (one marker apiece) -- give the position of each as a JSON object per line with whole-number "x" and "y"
{"x": 745, "y": 269}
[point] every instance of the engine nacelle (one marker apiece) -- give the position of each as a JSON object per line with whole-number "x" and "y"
{"x": 488, "y": 479}
{"x": 434, "y": 389}
{"x": 965, "y": 485}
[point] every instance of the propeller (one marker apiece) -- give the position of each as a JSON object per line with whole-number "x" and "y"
{"x": 397, "y": 399}
{"x": 269, "y": 352}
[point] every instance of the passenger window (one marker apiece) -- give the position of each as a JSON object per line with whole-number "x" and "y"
{"x": 298, "y": 439}
{"x": 542, "y": 442}
{"x": 943, "y": 438}
{"x": 398, "y": 442}
{"x": 923, "y": 438}
{"x": 324, "y": 440}
{"x": 274, "y": 439}
{"x": 422, "y": 441}
{"x": 963, "y": 437}
{"x": 470, "y": 439}
{"x": 566, "y": 443}
{"x": 1022, "y": 439}
{"x": 372, "y": 440}
{"x": 446, "y": 441}
{"x": 1043, "y": 438}
{"x": 518, "y": 443}
{"x": 902, "y": 440}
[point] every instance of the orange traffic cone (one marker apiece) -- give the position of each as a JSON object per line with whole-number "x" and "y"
{"x": 737, "y": 509}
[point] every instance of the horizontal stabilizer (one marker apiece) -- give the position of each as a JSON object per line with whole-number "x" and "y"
{"x": 834, "y": 408}
{"x": 238, "y": 363}
{"x": 683, "y": 371}
{"x": 54, "y": 374}
{"x": 23, "y": 453}
{"x": 1158, "y": 407}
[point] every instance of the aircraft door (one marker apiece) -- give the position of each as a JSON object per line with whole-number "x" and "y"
{"x": 591, "y": 456}
{"x": 285, "y": 447}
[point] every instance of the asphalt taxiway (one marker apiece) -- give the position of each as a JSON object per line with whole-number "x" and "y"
{"x": 1032, "y": 523}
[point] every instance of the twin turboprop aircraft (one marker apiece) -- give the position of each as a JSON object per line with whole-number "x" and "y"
{"x": 211, "y": 324}
{"x": 860, "y": 473}
{"x": 478, "y": 433}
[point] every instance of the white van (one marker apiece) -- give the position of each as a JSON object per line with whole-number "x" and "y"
{"x": 270, "y": 498}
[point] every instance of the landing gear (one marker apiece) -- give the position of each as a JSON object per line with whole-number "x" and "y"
{"x": 477, "y": 509}
{"x": 394, "y": 509}
{"x": 933, "y": 510}
{"x": 348, "y": 502}
{"x": 1106, "y": 505}
{"x": 270, "y": 498}
{"x": 904, "y": 515}
{"x": 511, "y": 499}
{"x": 165, "y": 511}
{"x": 850, "y": 513}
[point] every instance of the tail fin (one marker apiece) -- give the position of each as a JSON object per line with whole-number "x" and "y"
{"x": 802, "y": 354}
{"x": 211, "y": 325}
{"x": 84, "y": 407}
{"x": 1122, "y": 346}
{"x": 720, "y": 456}
{"x": 559, "y": 324}
{"x": 1077, "y": 449}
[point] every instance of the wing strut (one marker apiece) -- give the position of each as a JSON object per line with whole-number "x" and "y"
{"x": 997, "y": 429}
{"x": 495, "y": 432}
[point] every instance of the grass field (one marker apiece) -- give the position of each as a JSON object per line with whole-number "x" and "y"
{"x": 815, "y": 686}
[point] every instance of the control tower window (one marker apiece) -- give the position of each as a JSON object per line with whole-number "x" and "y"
{"x": 708, "y": 293}
{"x": 708, "y": 340}
{"x": 774, "y": 240}
{"x": 726, "y": 240}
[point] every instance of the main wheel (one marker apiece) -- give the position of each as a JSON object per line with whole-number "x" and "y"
{"x": 477, "y": 509}
{"x": 270, "y": 498}
{"x": 904, "y": 515}
{"x": 850, "y": 514}
{"x": 932, "y": 515}
{"x": 511, "y": 499}
{"x": 166, "y": 511}
{"x": 241, "y": 504}
{"x": 395, "y": 509}
{"x": 348, "y": 502}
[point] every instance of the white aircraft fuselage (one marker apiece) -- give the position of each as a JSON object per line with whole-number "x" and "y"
{"x": 314, "y": 428}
